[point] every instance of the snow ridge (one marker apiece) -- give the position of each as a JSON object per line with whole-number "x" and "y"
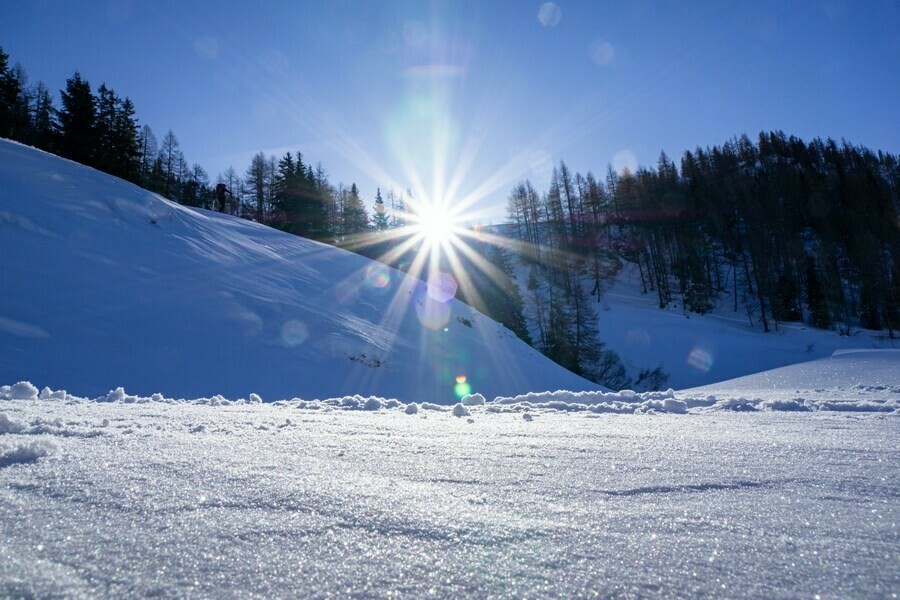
{"x": 885, "y": 400}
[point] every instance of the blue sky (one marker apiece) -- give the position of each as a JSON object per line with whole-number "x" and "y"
{"x": 460, "y": 100}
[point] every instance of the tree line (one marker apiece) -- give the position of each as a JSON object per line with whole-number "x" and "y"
{"x": 779, "y": 229}
{"x": 100, "y": 129}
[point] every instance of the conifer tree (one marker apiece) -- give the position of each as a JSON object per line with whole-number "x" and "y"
{"x": 380, "y": 219}
{"x": 77, "y": 121}
{"x": 172, "y": 163}
{"x": 355, "y": 220}
{"x": 43, "y": 119}
{"x": 148, "y": 152}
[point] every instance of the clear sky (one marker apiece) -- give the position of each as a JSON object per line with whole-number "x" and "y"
{"x": 463, "y": 99}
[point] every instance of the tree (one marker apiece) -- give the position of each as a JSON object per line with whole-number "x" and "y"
{"x": 196, "y": 190}
{"x": 816, "y": 300}
{"x": 148, "y": 152}
{"x": 380, "y": 219}
{"x": 172, "y": 162}
{"x": 77, "y": 121}
{"x": 43, "y": 119}
{"x": 256, "y": 184}
{"x": 355, "y": 220}
{"x": 126, "y": 142}
{"x": 14, "y": 101}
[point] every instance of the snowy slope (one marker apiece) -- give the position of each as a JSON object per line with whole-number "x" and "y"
{"x": 698, "y": 350}
{"x": 105, "y": 284}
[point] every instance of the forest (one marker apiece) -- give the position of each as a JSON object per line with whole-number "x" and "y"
{"x": 776, "y": 228}
{"x": 780, "y": 229}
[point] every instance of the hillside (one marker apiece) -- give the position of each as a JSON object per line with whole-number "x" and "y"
{"x": 108, "y": 285}
{"x": 696, "y": 350}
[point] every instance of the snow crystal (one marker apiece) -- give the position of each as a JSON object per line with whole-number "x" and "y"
{"x": 25, "y": 453}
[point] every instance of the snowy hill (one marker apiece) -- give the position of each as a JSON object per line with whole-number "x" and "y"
{"x": 696, "y": 350}
{"x": 105, "y": 285}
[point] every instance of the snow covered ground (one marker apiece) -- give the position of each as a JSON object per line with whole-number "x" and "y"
{"x": 215, "y": 499}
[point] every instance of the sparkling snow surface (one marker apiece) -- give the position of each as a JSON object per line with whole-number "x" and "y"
{"x": 143, "y": 497}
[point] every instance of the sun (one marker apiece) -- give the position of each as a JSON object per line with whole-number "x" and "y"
{"x": 436, "y": 225}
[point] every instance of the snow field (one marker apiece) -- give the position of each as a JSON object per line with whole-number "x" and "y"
{"x": 177, "y": 498}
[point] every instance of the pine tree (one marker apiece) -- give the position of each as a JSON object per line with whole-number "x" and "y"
{"x": 255, "y": 182}
{"x": 816, "y": 301}
{"x": 15, "y": 121}
{"x": 355, "y": 220}
{"x": 43, "y": 119}
{"x": 77, "y": 121}
{"x": 126, "y": 141}
{"x": 9, "y": 94}
{"x": 147, "y": 151}
{"x": 380, "y": 219}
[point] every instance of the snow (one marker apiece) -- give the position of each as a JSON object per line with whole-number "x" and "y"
{"x": 859, "y": 381}
{"x": 178, "y": 498}
{"x": 248, "y": 417}
{"x": 696, "y": 350}
{"x": 461, "y": 411}
{"x": 24, "y": 453}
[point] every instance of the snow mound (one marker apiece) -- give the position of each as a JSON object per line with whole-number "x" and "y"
{"x": 25, "y": 453}
{"x": 7, "y": 425}
{"x": 624, "y": 402}
{"x": 461, "y": 411}
{"x": 20, "y": 391}
{"x": 848, "y": 381}
{"x": 473, "y": 400}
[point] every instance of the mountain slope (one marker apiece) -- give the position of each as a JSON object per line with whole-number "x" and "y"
{"x": 105, "y": 284}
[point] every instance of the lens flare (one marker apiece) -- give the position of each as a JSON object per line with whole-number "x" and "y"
{"x": 602, "y": 53}
{"x": 433, "y": 314}
{"x": 442, "y": 287}
{"x": 549, "y": 15}
{"x": 294, "y": 333}
{"x": 378, "y": 277}
{"x": 700, "y": 359}
{"x": 462, "y": 387}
